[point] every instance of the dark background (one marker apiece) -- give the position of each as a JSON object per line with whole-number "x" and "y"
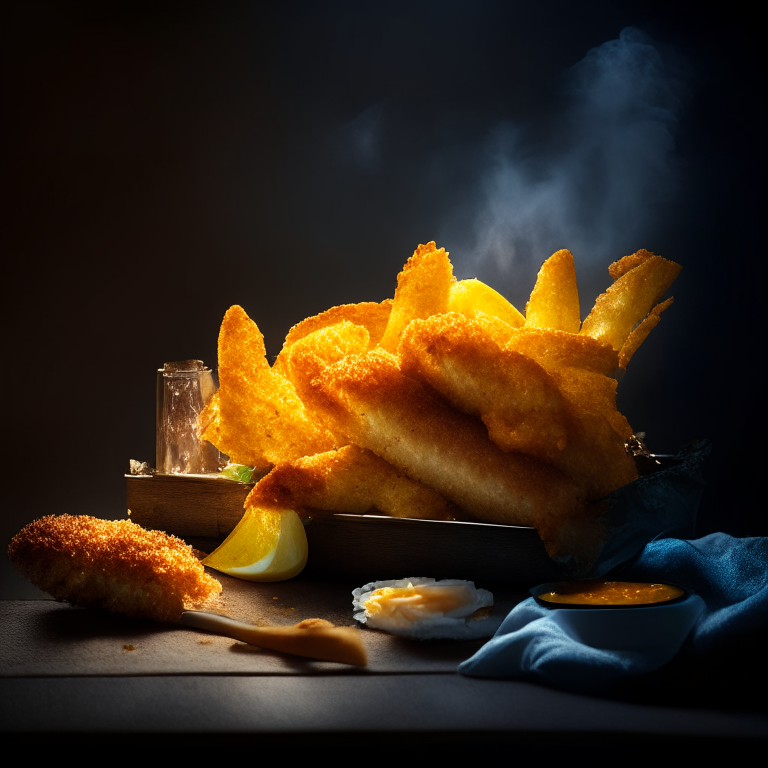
{"x": 163, "y": 161}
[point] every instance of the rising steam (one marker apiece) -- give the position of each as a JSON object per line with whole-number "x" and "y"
{"x": 602, "y": 185}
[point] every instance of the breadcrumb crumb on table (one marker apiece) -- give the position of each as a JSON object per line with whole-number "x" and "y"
{"x": 112, "y": 564}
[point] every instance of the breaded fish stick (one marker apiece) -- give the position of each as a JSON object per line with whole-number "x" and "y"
{"x": 112, "y": 564}
{"x": 123, "y": 568}
{"x": 351, "y": 480}
{"x": 407, "y": 424}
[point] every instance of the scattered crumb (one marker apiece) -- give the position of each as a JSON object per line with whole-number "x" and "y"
{"x": 204, "y": 642}
{"x": 274, "y": 598}
{"x": 129, "y": 647}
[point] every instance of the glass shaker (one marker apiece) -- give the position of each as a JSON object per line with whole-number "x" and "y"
{"x": 183, "y": 390}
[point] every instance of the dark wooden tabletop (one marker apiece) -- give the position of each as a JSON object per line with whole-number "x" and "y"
{"x": 69, "y": 673}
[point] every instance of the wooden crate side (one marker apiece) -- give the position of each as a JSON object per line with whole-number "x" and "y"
{"x": 186, "y": 506}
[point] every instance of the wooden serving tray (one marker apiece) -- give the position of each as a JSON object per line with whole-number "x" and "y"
{"x": 206, "y": 508}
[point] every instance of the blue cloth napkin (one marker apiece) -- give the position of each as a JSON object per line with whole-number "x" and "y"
{"x": 587, "y": 650}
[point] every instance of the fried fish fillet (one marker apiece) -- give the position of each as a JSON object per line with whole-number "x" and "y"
{"x": 112, "y": 564}
{"x": 513, "y": 395}
{"x": 407, "y": 384}
{"x": 406, "y": 423}
{"x": 584, "y": 370}
{"x": 623, "y": 265}
{"x": 521, "y": 403}
{"x": 351, "y": 480}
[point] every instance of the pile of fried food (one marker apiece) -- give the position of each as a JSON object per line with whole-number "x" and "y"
{"x": 445, "y": 402}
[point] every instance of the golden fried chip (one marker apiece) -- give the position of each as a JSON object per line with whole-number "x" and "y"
{"x": 623, "y": 265}
{"x": 369, "y": 314}
{"x": 628, "y": 300}
{"x": 472, "y": 298}
{"x": 351, "y": 480}
{"x": 423, "y": 289}
{"x": 256, "y": 417}
{"x": 640, "y": 334}
{"x": 554, "y": 302}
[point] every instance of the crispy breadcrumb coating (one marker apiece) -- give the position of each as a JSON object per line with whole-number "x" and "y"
{"x": 405, "y": 423}
{"x": 112, "y": 564}
{"x": 351, "y": 480}
{"x": 256, "y": 417}
{"x": 561, "y": 416}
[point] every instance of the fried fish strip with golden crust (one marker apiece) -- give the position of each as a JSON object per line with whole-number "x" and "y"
{"x": 593, "y": 394}
{"x": 623, "y": 265}
{"x": 640, "y": 333}
{"x": 256, "y": 417}
{"x": 406, "y": 423}
{"x": 520, "y": 403}
{"x": 369, "y": 314}
{"x": 423, "y": 289}
{"x": 598, "y": 457}
{"x": 351, "y": 480}
{"x": 513, "y": 395}
{"x": 307, "y": 357}
{"x": 582, "y": 368}
{"x": 628, "y": 300}
{"x": 554, "y": 302}
{"x": 112, "y": 564}
{"x": 554, "y": 350}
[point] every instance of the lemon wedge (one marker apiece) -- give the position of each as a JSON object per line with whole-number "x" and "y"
{"x": 264, "y": 546}
{"x": 471, "y": 296}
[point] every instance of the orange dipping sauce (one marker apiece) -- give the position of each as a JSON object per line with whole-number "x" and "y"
{"x": 609, "y": 593}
